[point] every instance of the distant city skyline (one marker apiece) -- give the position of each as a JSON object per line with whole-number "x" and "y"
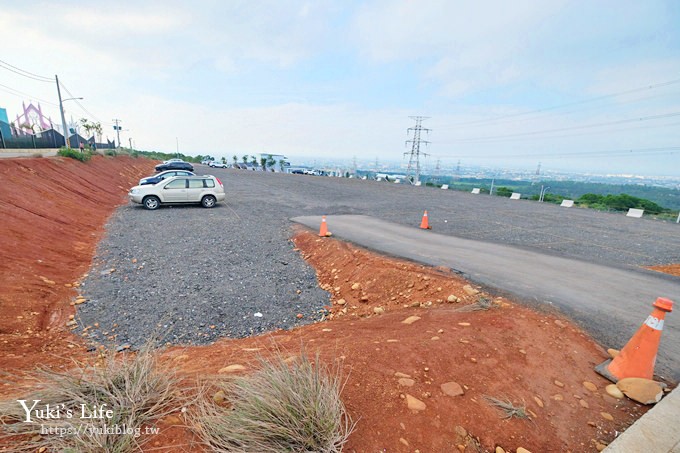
{"x": 578, "y": 86}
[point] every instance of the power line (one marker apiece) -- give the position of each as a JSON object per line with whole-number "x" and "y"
{"x": 79, "y": 104}
{"x": 18, "y": 93}
{"x": 547, "y": 131}
{"x": 580, "y": 154}
{"x": 569, "y": 104}
{"x": 24, "y": 73}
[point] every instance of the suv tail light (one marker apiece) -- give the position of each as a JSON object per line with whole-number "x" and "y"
{"x": 218, "y": 180}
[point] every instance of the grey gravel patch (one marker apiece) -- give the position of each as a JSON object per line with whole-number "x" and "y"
{"x": 218, "y": 267}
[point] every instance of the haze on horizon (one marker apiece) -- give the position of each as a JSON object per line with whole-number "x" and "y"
{"x": 577, "y": 86}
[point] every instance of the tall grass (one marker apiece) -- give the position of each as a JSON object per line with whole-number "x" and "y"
{"x": 133, "y": 388}
{"x": 280, "y": 408}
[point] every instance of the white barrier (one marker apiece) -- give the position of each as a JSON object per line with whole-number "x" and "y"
{"x": 418, "y": 183}
{"x": 637, "y": 213}
{"x": 475, "y": 191}
{"x": 445, "y": 186}
{"x": 515, "y": 196}
{"x": 567, "y": 203}
{"x": 379, "y": 179}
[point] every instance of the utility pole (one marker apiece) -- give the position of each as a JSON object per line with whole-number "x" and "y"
{"x": 415, "y": 142}
{"x": 61, "y": 110}
{"x": 436, "y": 170}
{"x": 117, "y": 128}
{"x": 130, "y": 139}
{"x": 457, "y": 170}
{"x": 354, "y": 166}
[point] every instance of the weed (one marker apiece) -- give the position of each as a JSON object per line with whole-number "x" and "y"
{"x": 280, "y": 408}
{"x": 82, "y": 156}
{"x": 132, "y": 388}
{"x": 482, "y": 304}
{"x": 509, "y": 410}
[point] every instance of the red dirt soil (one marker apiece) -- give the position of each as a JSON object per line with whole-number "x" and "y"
{"x": 672, "y": 269}
{"x": 539, "y": 360}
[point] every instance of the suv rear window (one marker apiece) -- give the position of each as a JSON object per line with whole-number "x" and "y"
{"x": 196, "y": 183}
{"x": 209, "y": 183}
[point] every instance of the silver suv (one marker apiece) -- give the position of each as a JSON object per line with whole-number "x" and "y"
{"x": 206, "y": 190}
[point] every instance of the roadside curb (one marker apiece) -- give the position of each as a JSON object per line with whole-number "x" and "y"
{"x": 656, "y": 431}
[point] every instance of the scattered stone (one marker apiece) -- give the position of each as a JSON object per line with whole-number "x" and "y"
{"x": 558, "y": 397}
{"x": 464, "y": 324}
{"x": 341, "y": 302}
{"x": 593, "y": 424}
{"x": 523, "y": 352}
{"x": 460, "y": 431}
{"x": 470, "y": 290}
{"x": 559, "y": 323}
{"x": 642, "y": 390}
{"x": 232, "y": 368}
{"x": 403, "y": 441}
{"x": 411, "y": 320}
{"x": 401, "y": 375}
{"x": 364, "y": 298}
{"x": 613, "y": 390}
{"x": 356, "y": 286}
{"x": 219, "y": 397}
{"x": 607, "y": 416}
{"x": 414, "y": 403}
{"x": 599, "y": 446}
{"x": 435, "y": 338}
{"x": 378, "y": 310}
{"x": 452, "y": 389}
{"x": 406, "y": 382}
{"x": 583, "y": 404}
{"x": 522, "y": 450}
{"x": 590, "y": 386}
{"x": 181, "y": 357}
{"x": 558, "y": 383}
{"x": 539, "y": 402}
{"x": 299, "y": 316}
{"x": 499, "y": 450}
{"x": 613, "y": 352}
{"x": 451, "y": 299}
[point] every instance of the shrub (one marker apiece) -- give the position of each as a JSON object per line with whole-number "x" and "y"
{"x": 74, "y": 154}
{"x": 133, "y": 388}
{"x": 281, "y": 408}
{"x": 503, "y": 192}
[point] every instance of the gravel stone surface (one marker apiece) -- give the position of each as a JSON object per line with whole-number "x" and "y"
{"x": 193, "y": 275}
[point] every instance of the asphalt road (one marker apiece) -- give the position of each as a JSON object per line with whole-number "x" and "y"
{"x": 610, "y": 301}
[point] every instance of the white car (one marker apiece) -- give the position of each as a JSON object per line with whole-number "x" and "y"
{"x": 207, "y": 190}
{"x": 217, "y": 164}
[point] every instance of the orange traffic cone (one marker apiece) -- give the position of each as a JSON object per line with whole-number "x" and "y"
{"x": 424, "y": 224}
{"x": 637, "y": 358}
{"x": 323, "y": 231}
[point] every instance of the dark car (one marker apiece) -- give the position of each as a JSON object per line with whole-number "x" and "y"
{"x": 155, "y": 179}
{"x": 175, "y": 166}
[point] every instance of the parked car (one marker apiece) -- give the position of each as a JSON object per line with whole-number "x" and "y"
{"x": 206, "y": 190}
{"x": 217, "y": 164}
{"x": 175, "y": 165}
{"x": 172, "y": 160}
{"x": 155, "y": 179}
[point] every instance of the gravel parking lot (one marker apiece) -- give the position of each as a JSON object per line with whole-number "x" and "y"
{"x": 194, "y": 274}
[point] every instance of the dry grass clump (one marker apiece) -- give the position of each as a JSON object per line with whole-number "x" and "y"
{"x": 280, "y": 408}
{"x": 133, "y": 388}
{"x": 508, "y": 409}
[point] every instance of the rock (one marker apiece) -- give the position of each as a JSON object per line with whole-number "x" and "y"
{"x": 411, "y": 320}
{"x": 559, "y": 323}
{"x": 378, "y": 310}
{"x": 558, "y": 383}
{"x": 356, "y": 286}
{"x": 219, "y": 397}
{"x": 451, "y": 299}
{"x": 435, "y": 338}
{"x": 341, "y": 302}
{"x": 558, "y": 397}
{"x": 522, "y": 450}
{"x": 464, "y": 324}
{"x": 583, "y": 403}
{"x": 599, "y": 446}
{"x": 613, "y": 390}
{"x": 406, "y": 382}
{"x": 642, "y": 390}
{"x": 401, "y": 375}
{"x": 299, "y": 316}
{"x": 452, "y": 389}
{"x": 403, "y": 441}
{"x": 232, "y": 368}
{"x": 470, "y": 290}
{"x": 590, "y": 386}
{"x": 539, "y": 402}
{"x": 607, "y": 416}
{"x": 523, "y": 352}
{"x": 460, "y": 431}
{"x": 593, "y": 424}
{"x": 613, "y": 352}
{"x": 364, "y": 298}
{"x": 181, "y": 357}
{"x": 499, "y": 450}
{"x": 414, "y": 403}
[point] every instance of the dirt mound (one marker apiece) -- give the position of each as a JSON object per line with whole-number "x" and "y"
{"x": 53, "y": 214}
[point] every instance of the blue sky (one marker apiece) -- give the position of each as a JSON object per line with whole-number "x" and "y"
{"x": 571, "y": 84}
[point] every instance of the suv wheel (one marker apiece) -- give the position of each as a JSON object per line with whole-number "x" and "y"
{"x": 208, "y": 201}
{"x": 151, "y": 203}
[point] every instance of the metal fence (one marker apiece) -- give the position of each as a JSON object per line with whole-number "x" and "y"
{"x": 45, "y": 139}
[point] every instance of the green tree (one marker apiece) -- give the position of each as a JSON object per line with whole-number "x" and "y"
{"x": 235, "y": 157}
{"x": 263, "y": 162}
{"x": 245, "y": 158}
{"x": 503, "y": 192}
{"x": 254, "y": 162}
{"x": 271, "y": 162}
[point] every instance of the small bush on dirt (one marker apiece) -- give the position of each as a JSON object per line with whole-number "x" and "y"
{"x": 36, "y": 155}
{"x": 133, "y": 388}
{"x": 110, "y": 152}
{"x": 281, "y": 408}
{"x": 509, "y": 410}
{"x": 83, "y": 156}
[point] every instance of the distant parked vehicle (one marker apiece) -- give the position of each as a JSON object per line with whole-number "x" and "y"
{"x": 172, "y": 160}
{"x": 175, "y": 165}
{"x": 155, "y": 179}
{"x": 217, "y": 164}
{"x": 206, "y": 190}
